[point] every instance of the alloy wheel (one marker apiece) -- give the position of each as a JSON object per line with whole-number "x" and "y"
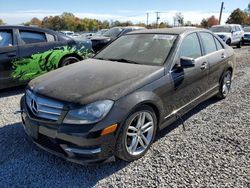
{"x": 139, "y": 133}
{"x": 226, "y": 84}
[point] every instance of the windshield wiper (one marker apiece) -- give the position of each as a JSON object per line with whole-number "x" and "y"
{"x": 123, "y": 60}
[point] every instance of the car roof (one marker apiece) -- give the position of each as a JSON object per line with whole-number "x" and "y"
{"x": 27, "y": 28}
{"x": 228, "y": 25}
{"x": 129, "y": 27}
{"x": 174, "y": 30}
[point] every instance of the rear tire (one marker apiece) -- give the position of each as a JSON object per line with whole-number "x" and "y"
{"x": 225, "y": 85}
{"x": 68, "y": 60}
{"x": 140, "y": 127}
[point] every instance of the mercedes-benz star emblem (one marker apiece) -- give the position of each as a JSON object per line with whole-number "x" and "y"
{"x": 34, "y": 106}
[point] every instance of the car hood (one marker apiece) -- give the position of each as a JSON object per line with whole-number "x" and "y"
{"x": 100, "y": 38}
{"x": 92, "y": 80}
{"x": 222, "y": 33}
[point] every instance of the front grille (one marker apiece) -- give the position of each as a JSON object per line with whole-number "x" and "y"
{"x": 49, "y": 144}
{"x": 42, "y": 107}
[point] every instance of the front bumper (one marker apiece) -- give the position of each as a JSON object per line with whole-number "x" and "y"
{"x": 247, "y": 38}
{"x": 81, "y": 144}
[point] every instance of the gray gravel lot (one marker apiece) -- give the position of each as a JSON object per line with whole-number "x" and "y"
{"x": 214, "y": 151}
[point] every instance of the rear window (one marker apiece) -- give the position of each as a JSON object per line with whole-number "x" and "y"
{"x": 50, "y": 38}
{"x": 218, "y": 44}
{"x": 6, "y": 38}
{"x": 29, "y": 37}
{"x": 208, "y": 42}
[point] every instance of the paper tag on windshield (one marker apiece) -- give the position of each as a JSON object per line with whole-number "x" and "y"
{"x": 163, "y": 37}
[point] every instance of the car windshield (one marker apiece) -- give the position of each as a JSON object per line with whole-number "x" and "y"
{"x": 221, "y": 29}
{"x": 114, "y": 32}
{"x": 247, "y": 29}
{"x": 151, "y": 49}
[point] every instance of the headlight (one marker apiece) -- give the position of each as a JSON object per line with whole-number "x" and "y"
{"x": 91, "y": 113}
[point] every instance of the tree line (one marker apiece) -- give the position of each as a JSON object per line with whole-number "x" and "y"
{"x": 68, "y": 21}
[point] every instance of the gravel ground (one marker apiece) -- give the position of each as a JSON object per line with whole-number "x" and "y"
{"x": 214, "y": 151}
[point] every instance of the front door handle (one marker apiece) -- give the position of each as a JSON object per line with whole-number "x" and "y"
{"x": 204, "y": 66}
{"x": 223, "y": 56}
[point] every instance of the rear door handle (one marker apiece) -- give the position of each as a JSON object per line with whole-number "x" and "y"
{"x": 11, "y": 54}
{"x": 223, "y": 56}
{"x": 204, "y": 66}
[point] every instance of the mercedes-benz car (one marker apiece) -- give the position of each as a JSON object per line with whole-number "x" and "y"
{"x": 27, "y": 52}
{"x": 113, "y": 105}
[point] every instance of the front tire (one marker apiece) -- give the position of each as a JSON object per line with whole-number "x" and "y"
{"x": 239, "y": 45}
{"x": 225, "y": 85}
{"x": 228, "y": 42}
{"x": 137, "y": 134}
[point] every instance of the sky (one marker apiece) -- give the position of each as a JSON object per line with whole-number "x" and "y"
{"x": 19, "y": 11}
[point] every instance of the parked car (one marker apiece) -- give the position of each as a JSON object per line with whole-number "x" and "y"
{"x": 231, "y": 34}
{"x": 67, "y": 33}
{"x": 246, "y": 34}
{"x": 100, "y": 32}
{"x": 27, "y": 52}
{"x": 114, "y": 103}
{"x": 99, "y": 42}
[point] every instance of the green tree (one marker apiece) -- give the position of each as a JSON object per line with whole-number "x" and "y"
{"x": 1, "y": 22}
{"x": 188, "y": 23}
{"x": 178, "y": 19}
{"x": 247, "y": 10}
{"x": 238, "y": 17}
{"x": 69, "y": 20}
{"x": 164, "y": 25}
{"x": 204, "y": 23}
{"x": 105, "y": 24}
{"x": 34, "y": 21}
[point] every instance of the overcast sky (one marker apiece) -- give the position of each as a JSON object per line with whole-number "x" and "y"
{"x": 19, "y": 11}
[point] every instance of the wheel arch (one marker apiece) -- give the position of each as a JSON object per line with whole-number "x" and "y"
{"x": 150, "y": 103}
{"x": 230, "y": 68}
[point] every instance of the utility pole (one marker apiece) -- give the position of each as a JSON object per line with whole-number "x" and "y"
{"x": 157, "y": 19}
{"x": 147, "y": 18}
{"x": 221, "y": 10}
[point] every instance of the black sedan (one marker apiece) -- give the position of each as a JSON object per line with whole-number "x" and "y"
{"x": 99, "y": 42}
{"x": 115, "y": 103}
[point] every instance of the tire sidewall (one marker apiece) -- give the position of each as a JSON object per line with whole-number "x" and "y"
{"x": 64, "y": 60}
{"x": 223, "y": 96}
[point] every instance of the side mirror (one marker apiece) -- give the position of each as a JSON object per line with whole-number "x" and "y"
{"x": 187, "y": 62}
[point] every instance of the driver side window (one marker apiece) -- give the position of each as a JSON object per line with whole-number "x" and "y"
{"x": 191, "y": 47}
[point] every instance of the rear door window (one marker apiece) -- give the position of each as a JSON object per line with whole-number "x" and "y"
{"x": 29, "y": 37}
{"x": 190, "y": 47}
{"x": 208, "y": 42}
{"x": 6, "y": 38}
{"x": 218, "y": 44}
{"x": 50, "y": 38}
